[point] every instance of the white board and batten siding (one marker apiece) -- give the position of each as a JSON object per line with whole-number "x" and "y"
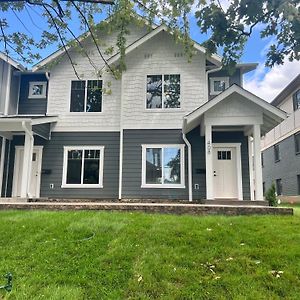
{"x": 161, "y": 56}
{"x": 60, "y": 89}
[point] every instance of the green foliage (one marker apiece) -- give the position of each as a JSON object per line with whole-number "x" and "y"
{"x": 228, "y": 28}
{"x": 271, "y": 196}
{"x": 102, "y": 255}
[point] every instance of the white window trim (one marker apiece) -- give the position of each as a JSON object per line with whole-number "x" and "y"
{"x": 85, "y": 99}
{"x": 65, "y": 164}
{"x": 42, "y": 96}
{"x": 211, "y": 84}
{"x": 164, "y": 109}
{"x": 161, "y": 185}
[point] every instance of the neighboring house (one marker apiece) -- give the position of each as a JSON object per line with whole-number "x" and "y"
{"x": 281, "y": 146}
{"x": 169, "y": 129}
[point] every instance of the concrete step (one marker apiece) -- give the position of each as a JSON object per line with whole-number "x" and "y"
{"x": 235, "y": 202}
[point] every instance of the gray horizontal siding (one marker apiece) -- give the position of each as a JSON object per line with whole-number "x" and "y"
{"x": 287, "y": 168}
{"x": 42, "y": 130}
{"x": 31, "y": 106}
{"x": 53, "y": 160}
{"x": 132, "y": 167}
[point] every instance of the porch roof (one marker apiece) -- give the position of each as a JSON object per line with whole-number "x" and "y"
{"x": 39, "y": 125}
{"x": 272, "y": 115}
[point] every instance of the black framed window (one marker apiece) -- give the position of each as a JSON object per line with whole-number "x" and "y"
{"x": 264, "y": 188}
{"x": 297, "y": 142}
{"x": 86, "y": 96}
{"x": 298, "y": 183}
{"x": 276, "y": 153}
{"x": 296, "y": 100}
{"x": 279, "y": 186}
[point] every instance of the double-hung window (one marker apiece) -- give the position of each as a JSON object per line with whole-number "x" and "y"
{"x": 296, "y": 100}
{"x": 86, "y": 96}
{"x": 163, "y": 91}
{"x": 163, "y": 166}
{"x": 83, "y": 166}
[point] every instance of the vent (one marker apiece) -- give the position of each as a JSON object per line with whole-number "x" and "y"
{"x": 148, "y": 55}
{"x": 178, "y": 54}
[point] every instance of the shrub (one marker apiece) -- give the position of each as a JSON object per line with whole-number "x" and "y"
{"x": 271, "y": 196}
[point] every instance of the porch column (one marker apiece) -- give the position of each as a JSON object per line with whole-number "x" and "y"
{"x": 27, "y": 159}
{"x": 209, "y": 162}
{"x": 257, "y": 163}
{"x": 250, "y": 158}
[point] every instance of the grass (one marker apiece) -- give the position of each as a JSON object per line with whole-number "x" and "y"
{"x": 102, "y": 255}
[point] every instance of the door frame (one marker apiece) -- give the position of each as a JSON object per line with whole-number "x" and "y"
{"x": 239, "y": 177}
{"x": 18, "y": 149}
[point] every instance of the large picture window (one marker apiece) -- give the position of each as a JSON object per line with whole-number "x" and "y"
{"x": 86, "y": 96}
{"x": 163, "y": 91}
{"x": 163, "y": 166}
{"x": 83, "y": 166}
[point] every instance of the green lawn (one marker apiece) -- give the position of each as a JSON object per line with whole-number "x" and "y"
{"x": 102, "y": 255}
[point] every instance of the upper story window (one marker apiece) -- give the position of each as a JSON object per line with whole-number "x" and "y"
{"x": 279, "y": 187}
{"x": 37, "y": 89}
{"x": 296, "y": 100}
{"x": 163, "y": 91}
{"x": 276, "y": 153}
{"x": 262, "y": 159}
{"x": 86, "y": 96}
{"x": 218, "y": 85}
{"x": 297, "y": 143}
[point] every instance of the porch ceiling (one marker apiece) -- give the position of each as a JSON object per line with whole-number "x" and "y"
{"x": 271, "y": 116}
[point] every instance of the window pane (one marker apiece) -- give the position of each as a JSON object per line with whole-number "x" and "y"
{"x": 279, "y": 187}
{"x": 91, "y": 166}
{"x": 296, "y": 99}
{"x": 94, "y": 96}
{"x": 172, "y": 91}
{"x": 172, "y": 166}
{"x": 154, "y": 91}
{"x": 219, "y": 85}
{"x": 74, "y": 167}
{"x": 77, "y": 96}
{"x": 276, "y": 153}
{"x": 153, "y": 166}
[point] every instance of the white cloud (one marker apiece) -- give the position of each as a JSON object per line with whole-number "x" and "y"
{"x": 267, "y": 84}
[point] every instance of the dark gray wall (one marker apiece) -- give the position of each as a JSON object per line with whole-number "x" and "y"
{"x": 42, "y": 130}
{"x": 53, "y": 161}
{"x": 132, "y": 167}
{"x": 235, "y": 78}
{"x": 287, "y": 168}
{"x": 31, "y": 106}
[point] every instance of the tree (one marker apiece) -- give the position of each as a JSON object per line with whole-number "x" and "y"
{"x": 229, "y": 27}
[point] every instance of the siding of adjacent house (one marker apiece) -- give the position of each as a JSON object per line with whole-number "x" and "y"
{"x": 286, "y": 169}
{"x": 29, "y": 106}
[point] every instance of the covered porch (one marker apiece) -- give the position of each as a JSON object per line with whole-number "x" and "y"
{"x": 27, "y": 160}
{"x": 233, "y": 113}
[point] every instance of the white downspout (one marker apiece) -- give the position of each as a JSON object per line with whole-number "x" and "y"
{"x": 190, "y": 170}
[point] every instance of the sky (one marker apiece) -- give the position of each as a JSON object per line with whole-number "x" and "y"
{"x": 264, "y": 82}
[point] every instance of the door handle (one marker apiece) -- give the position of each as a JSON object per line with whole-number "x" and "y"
{"x": 215, "y": 173}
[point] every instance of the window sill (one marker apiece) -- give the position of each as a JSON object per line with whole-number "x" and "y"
{"x": 163, "y": 110}
{"x": 162, "y": 186}
{"x": 276, "y": 161}
{"x": 82, "y": 186}
{"x": 84, "y": 113}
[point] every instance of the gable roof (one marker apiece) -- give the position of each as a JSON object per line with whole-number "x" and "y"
{"x": 272, "y": 115}
{"x": 294, "y": 84}
{"x": 12, "y": 62}
{"x": 214, "y": 58}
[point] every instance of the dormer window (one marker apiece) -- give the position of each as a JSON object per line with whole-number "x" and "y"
{"x": 296, "y": 100}
{"x": 218, "y": 85}
{"x": 37, "y": 89}
{"x": 163, "y": 91}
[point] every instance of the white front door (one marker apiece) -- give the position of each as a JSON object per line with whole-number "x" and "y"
{"x": 35, "y": 178}
{"x": 225, "y": 177}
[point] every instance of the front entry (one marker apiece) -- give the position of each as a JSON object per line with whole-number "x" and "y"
{"x": 227, "y": 171}
{"x": 36, "y": 166}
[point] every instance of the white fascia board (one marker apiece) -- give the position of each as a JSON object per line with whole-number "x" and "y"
{"x": 269, "y": 109}
{"x": 44, "y": 120}
{"x": 12, "y": 62}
